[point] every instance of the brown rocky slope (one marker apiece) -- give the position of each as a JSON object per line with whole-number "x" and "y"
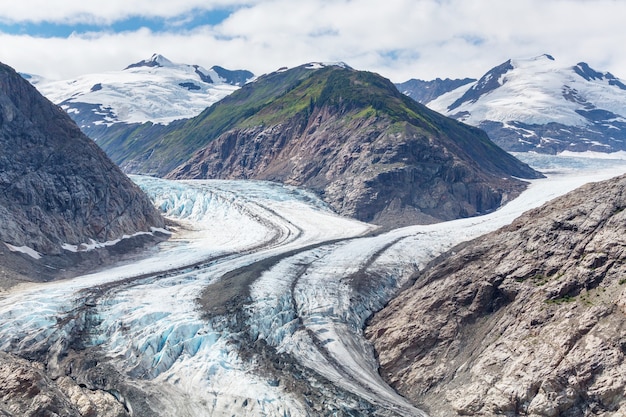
{"x": 366, "y": 149}
{"x": 528, "y": 320}
{"x": 56, "y": 187}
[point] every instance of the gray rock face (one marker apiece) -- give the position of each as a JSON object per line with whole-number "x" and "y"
{"x": 425, "y": 91}
{"x": 529, "y": 320}
{"x": 358, "y": 167}
{"x": 27, "y": 391}
{"x": 56, "y": 185}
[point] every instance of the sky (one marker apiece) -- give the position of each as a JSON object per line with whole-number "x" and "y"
{"x": 399, "y": 39}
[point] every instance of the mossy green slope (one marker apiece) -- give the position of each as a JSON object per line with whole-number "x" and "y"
{"x": 278, "y": 97}
{"x": 158, "y": 149}
{"x": 354, "y": 139}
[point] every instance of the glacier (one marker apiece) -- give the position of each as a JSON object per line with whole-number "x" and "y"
{"x": 290, "y": 342}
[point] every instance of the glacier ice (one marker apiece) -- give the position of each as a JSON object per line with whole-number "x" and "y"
{"x": 324, "y": 276}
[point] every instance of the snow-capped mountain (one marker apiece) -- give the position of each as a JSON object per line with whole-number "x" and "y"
{"x": 538, "y": 104}
{"x": 154, "y": 90}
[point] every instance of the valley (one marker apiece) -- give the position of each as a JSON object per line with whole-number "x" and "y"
{"x": 162, "y": 335}
{"x": 299, "y": 233}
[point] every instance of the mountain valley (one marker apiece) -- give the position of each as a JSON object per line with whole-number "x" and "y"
{"x": 315, "y": 243}
{"x": 287, "y": 341}
{"x": 347, "y": 135}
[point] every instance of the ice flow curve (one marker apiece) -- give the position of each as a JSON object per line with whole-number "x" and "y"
{"x": 255, "y": 306}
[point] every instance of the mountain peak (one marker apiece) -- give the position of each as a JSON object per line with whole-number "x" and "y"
{"x": 584, "y": 70}
{"x": 156, "y": 60}
{"x": 160, "y": 60}
{"x": 540, "y": 61}
{"x": 542, "y": 57}
{"x": 319, "y": 65}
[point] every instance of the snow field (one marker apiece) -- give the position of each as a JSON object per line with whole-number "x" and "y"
{"x": 527, "y": 94}
{"x": 141, "y": 94}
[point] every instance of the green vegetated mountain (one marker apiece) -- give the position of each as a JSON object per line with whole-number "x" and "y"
{"x": 60, "y": 192}
{"x": 158, "y": 149}
{"x": 525, "y": 321}
{"x": 369, "y": 151}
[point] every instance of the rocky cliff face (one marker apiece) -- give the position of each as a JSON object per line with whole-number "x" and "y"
{"x": 58, "y": 188}
{"x": 369, "y": 151}
{"x": 529, "y": 320}
{"x": 26, "y": 390}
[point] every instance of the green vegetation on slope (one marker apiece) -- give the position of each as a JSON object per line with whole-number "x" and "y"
{"x": 276, "y": 98}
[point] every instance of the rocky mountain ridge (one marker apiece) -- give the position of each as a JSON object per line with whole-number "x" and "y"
{"x": 427, "y": 91}
{"x": 369, "y": 151}
{"x": 537, "y": 105}
{"x": 528, "y": 320}
{"x": 61, "y": 194}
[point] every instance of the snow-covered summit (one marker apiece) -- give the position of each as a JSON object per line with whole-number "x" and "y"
{"x": 319, "y": 65}
{"x": 155, "y": 90}
{"x": 535, "y": 91}
{"x": 315, "y": 65}
{"x": 157, "y": 60}
{"x": 539, "y": 104}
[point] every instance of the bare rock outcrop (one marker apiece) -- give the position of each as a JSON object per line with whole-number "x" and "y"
{"x": 528, "y": 320}
{"x": 27, "y": 391}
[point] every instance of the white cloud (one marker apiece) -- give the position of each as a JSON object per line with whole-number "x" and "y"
{"x": 399, "y": 39}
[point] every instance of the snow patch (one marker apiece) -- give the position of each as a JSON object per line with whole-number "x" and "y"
{"x": 25, "y": 250}
{"x": 92, "y": 245}
{"x": 320, "y": 65}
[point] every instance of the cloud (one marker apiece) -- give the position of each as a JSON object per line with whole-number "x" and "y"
{"x": 399, "y": 39}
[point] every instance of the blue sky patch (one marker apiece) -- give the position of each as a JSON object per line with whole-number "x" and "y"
{"x": 186, "y": 22}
